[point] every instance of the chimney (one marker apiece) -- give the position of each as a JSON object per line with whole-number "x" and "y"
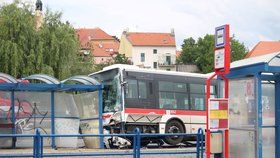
{"x": 172, "y": 32}
{"x": 125, "y": 32}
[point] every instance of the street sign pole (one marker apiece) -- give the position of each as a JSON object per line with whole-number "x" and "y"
{"x": 221, "y": 67}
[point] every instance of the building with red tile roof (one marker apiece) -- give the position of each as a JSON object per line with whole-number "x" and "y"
{"x": 178, "y": 53}
{"x": 149, "y": 49}
{"x": 264, "y": 47}
{"x": 97, "y": 42}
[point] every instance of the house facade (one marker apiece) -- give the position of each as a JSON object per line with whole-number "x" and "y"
{"x": 150, "y": 50}
{"x": 97, "y": 42}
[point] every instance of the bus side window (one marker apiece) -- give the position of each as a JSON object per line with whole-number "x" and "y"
{"x": 136, "y": 89}
{"x": 131, "y": 89}
{"x": 197, "y": 96}
{"x": 142, "y": 90}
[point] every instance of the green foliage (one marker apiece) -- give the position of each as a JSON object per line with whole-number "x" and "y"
{"x": 189, "y": 54}
{"x": 119, "y": 59}
{"x": 52, "y": 49}
{"x": 201, "y": 52}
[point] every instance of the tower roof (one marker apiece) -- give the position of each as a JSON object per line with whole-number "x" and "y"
{"x": 39, "y": 5}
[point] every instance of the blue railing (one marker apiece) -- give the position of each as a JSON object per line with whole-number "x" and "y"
{"x": 38, "y": 146}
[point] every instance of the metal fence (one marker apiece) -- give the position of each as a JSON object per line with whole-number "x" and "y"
{"x": 38, "y": 146}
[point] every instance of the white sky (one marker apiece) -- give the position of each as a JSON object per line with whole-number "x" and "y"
{"x": 250, "y": 20}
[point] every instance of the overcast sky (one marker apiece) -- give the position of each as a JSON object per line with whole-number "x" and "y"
{"x": 250, "y": 21}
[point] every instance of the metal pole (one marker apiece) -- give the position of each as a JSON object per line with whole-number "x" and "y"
{"x": 53, "y": 118}
{"x": 226, "y": 154}
{"x": 37, "y": 143}
{"x": 138, "y": 147}
{"x": 208, "y": 82}
{"x": 100, "y": 117}
{"x": 14, "y": 139}
{"x": 259, "y": 117}
{"x": 134, "y": 143}
{"x": 277, "y": 117}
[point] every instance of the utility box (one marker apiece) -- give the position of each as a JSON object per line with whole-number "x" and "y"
{"x": 216, "y": 140}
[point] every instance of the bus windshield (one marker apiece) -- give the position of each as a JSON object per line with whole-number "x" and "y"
{"x": 112, "y": 89}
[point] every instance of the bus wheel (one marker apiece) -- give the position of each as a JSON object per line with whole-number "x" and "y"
{"x": 174, "y": 126}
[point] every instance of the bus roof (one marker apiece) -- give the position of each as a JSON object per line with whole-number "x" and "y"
{"x": 153, "y": 71}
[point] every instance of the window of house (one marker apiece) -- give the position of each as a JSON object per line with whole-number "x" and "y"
{"x": 142, "y": 57}
{"x": 155, "y": 65}
{"x": 155, "y": 51}
{"x": 168, "y": 60}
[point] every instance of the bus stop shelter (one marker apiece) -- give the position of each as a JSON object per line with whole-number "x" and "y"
{"x": 56, "y": 107}
{"x": 254, "y": 108}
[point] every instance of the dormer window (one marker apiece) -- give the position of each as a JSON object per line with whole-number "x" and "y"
{"x": 165, "y": 42}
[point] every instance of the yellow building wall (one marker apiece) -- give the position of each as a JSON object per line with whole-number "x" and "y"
{"x": 125, "y": 47}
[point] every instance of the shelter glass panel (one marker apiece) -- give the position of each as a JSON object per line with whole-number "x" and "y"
{"x": 87, "y": 104}
{"x": 34, "y": 111}
{"x": 5, "y": 118}
{"x": 242, "y": 143}
{"x": 268, "y": 104}
{"x": 268, "y": 142}
{"x": 242, "y": 103}
{"x": 242, "y": 117}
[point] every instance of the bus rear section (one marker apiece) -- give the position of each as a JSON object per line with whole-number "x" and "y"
{"x": 154, "y": 101}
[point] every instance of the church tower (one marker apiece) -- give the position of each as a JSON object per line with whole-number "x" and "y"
{"x": 39, "y": 13}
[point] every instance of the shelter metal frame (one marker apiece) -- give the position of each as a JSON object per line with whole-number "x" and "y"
{"x": 263, "y": 68}
{"x": 51, "y": 84}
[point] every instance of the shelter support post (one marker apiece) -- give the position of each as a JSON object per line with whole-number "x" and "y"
{"x": 100, "y": 118}
{"x": 53, "y": 118}
{"x": 277, "y": 117}
{"x": 259, "y": 116}
{"x": 14, "y": 139}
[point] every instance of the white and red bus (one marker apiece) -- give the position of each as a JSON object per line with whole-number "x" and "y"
{"x": 154, "y": 101}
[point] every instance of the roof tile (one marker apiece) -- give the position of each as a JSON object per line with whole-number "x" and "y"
{"x": 151, "y": 39}
{"x": 264, "y": 47}
{"x": 86, "y": 35}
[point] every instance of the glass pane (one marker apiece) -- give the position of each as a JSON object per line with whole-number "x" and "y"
{"x": 182, "y": 101}
{"x": 165, "y": 86}
{"x": 197, "y": 88}
{"x": 268, "y": 104}
{"x": 268, "y": 142}
{"x": 197, "y": 102}
{"x": 65, "y": 105}
{"x": 142, "y": 90}
{"x": 242, "y": 117}
{"x": 180, "y": 87}
{"x": 167, "y": 100}
{"x": 242, "y": 103}
{"x": 242, "y": 144}
{"x": 34, "y": 112}
{"x": 131, "y": 89}
{"x": 87, "y": 104}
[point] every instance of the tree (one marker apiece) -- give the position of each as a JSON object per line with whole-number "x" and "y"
{"x": 189, "y": 52}
{"x": 201, "y": 52}
{"x": 119, "y": 59}
{"x": 52, "y": 49}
